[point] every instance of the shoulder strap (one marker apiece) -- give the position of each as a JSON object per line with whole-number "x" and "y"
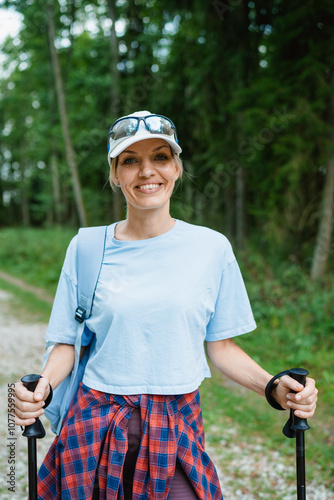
{"x": 91, "y": 242}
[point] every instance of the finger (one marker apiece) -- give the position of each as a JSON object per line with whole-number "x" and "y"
{"x": 302, "y": 407}
{"x": 309, "y": 388}
{"x": 42, "y": 390}
{"x": 22, "y": 393}
{"x": 309, "y": 392}
{"x": 299, "y": 400}
{"x": 27, "y": 417}
{"x": 302, "y": 403}
{"x": 288, "y": 382}
{"x": 304, "y": 413}
{"x": 24, "y": 422}
{"x": 27, "y": 408}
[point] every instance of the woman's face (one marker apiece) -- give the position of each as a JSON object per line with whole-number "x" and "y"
{"x": 146, "y": 173}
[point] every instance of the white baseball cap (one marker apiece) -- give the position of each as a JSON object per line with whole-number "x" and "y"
{"x": 139, "y": 126}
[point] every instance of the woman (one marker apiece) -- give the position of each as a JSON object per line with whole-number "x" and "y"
{"x": 135, "y": 428}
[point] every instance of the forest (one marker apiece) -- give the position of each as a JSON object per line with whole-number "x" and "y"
{"x": 249, "y": 85}
{"x": 250, "y": 88}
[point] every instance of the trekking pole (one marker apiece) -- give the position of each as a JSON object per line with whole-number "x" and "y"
{"x": 296, "y": 427}
{"x": 32, "y": 432}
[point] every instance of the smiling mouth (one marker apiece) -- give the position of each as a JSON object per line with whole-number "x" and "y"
{"x": 148, "y": 187}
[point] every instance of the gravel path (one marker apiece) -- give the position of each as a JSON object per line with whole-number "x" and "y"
{"x": 249, "y": 472}
{"x": 22, "y": 352}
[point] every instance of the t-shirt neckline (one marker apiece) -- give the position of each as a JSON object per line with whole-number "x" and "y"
{"x": 140, "y": 242}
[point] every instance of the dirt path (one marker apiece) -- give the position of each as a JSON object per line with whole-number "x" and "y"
{"x": 38, "y": 292}
{"x": 247, "y": 472}
{"x": 21, "y": 353}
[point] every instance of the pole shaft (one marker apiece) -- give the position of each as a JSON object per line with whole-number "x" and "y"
{"x": 300, "y": 463}
{"x": 32, "y": 468}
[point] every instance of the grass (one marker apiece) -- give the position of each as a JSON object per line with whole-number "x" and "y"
{"x": 295, "y": 320}
{"x": 25, "y": 305}
{"x": 34, "y": 255}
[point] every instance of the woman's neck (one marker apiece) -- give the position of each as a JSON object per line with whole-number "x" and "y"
{"x": 142, "y": 226}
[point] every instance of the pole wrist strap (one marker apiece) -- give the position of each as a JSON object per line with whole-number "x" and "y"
{"x": 269, "y": 388}
{"x": 49, "y": 398}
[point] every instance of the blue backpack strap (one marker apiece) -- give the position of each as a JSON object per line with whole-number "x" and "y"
{"x": 91, "y": 242}
{"x": 67, "y": 393}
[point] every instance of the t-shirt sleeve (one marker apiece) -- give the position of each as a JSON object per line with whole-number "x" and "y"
{"x": 62, "y": 324}
{"x": 233, "y": 314}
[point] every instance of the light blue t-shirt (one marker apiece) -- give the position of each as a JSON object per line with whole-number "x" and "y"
{"x": 156, "y": 302}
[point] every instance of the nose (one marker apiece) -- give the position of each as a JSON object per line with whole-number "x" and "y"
{"x": 146, "y": 168}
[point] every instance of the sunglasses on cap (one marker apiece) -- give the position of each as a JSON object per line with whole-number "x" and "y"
{"x": 129, "y": 126}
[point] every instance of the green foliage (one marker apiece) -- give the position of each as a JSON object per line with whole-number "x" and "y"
{"x": 297, "y": 314}
{"x": 247, "y": 86}
{"x": 26, "y": 305}
{"x": 34, "y": 255}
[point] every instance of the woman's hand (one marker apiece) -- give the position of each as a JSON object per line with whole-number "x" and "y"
{"x": 238, "y": 366}
{"x": 29, "y": 405}
{"x": 303, "y": 403}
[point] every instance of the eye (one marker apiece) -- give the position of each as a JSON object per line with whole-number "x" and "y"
{"x": 128, "y": 161}
{"x": 161, "y": 157}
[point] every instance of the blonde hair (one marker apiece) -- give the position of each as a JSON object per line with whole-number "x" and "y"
{"x": 113, "y": 162}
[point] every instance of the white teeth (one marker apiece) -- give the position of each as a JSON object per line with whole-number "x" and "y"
{"x": 149, "y": 186}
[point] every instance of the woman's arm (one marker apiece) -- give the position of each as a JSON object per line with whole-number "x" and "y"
{"x": 239, "y": 367}
{"x": 29, "y": 405}
{"x": 59, "y": 364}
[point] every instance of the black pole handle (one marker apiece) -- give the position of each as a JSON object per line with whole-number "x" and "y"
{"x": 299, "y": 424}
{"x": 35, "y": 430}
{"x": 298, "y": 427}
{"x": 299, "y": 374}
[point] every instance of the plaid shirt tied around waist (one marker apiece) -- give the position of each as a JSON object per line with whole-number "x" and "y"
{"x": 94, "y": 441}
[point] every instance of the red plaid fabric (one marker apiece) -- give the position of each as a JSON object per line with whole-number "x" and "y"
{"x": 93, "y": 441}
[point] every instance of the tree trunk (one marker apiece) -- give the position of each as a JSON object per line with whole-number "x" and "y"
{"x": 240, "y": 209}
{"x": 70, "y": 156}
{"x": 56, "y": 189}
{"x": 24, "y": 198}
{"x": 229, "y": 218}
{"x": 325, "y": 230}
{"x": 57, "y": 209}
{"x": 240, "y": 193}
{"x": 323, "y": 242}
{"x": 115, "y": 101}
{"x": 242, "y": 79}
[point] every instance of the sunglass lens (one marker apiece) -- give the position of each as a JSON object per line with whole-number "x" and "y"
{"x": 159, "y": 125}
{"x": 124, "y": 128}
